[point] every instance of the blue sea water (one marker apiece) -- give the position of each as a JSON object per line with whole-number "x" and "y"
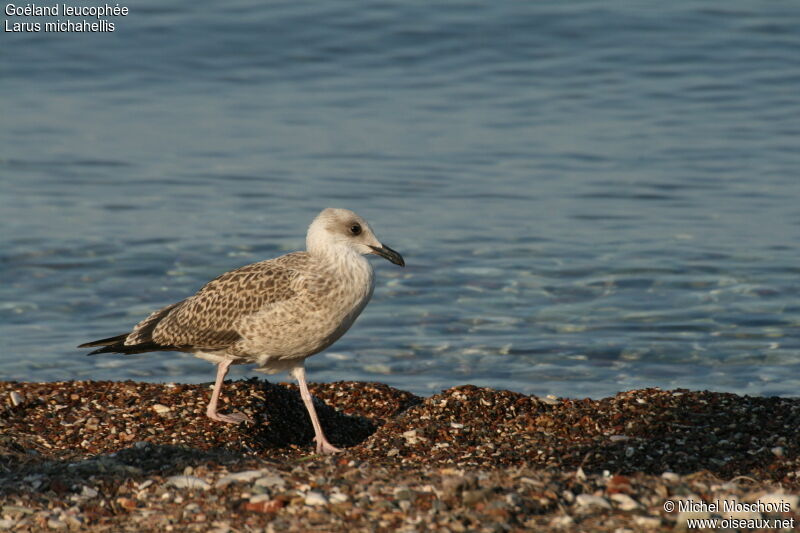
{"x": 590, "y": 196}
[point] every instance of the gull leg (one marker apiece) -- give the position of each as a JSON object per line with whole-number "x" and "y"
{"x": 211, "y": 410}
{"x": 323, "y": 446}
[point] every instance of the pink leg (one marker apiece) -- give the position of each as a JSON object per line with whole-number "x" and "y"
{"x": 211, "y": 410}
{"x": 323, "y": 446}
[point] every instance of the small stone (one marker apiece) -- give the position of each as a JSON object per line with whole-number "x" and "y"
{"x": 16, "y": 398}
{"x": 238, "y": 477}
{"x": 624, "y": 502}
{"x": 562, "y": 521}
{"x": 271, "y": 480}
{"x": 647, "y": 522}
{"x": 589, "y": 500}
{"x": 161, "y": 409}
{"x": 55, "y": 523}
{"x": 338, "y": 497}
{"x": 315, "y": 498}
{"x": 188, "y": 482}
{"x": 618, "y": 484}
{"x": 550, "y": 399}
{"x": 17, "y": 509}
{"x": 126, "y": 503}
{"x": 392, "y": 452}
{"x": 671, "y": 476}
{"x": 268, "y": 506}
{"x": 629, "y": 451}
{"x": 88, "y": 492}
{"x": 777, "y": 451}
{"x": 411, "y": 437}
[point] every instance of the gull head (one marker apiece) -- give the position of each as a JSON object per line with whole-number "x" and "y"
{"x": 337, "y": 231}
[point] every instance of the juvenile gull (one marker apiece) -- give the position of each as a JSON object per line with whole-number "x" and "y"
{"x": 274, "y": 313}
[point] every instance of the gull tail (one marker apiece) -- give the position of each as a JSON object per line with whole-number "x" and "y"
{"x": 109, "y": 345}
{"x": 117, "y": 345}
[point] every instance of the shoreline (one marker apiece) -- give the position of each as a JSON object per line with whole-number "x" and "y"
{"x": 119, "y": 456}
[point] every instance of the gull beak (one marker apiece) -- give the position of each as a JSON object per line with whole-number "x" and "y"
{"x": 388, "y": 253}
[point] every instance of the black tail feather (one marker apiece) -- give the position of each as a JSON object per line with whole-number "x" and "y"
{"x": 106, "y": 342}
{"x": 117, "y": 345}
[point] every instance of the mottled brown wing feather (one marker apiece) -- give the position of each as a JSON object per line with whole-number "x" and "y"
{"x": 143, "y": 331}
{"x": 207, "y": 320}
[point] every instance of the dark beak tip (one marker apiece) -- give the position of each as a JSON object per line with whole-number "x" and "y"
{"x": 389, "y": 254}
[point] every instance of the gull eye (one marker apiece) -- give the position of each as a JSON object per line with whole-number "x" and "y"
{"x": 355, "y": 229}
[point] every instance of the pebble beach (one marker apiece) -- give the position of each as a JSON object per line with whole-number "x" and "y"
{"x": 130, "y": 456}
